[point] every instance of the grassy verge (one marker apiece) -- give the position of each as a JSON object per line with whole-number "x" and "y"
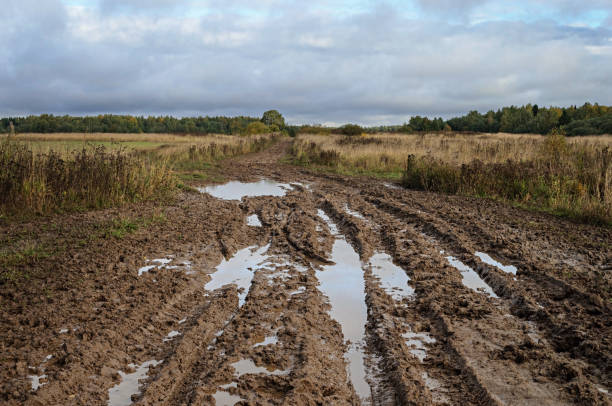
{"x": 94, "y": 176}
{"x": 565, "y": 179}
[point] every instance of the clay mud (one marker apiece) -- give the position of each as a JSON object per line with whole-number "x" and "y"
{"x": 285, "y": 286}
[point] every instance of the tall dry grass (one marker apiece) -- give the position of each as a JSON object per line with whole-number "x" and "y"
{"x": 95, "y": 176}
{"x": 91, "y": 178}
{"x": 570, "y": 176}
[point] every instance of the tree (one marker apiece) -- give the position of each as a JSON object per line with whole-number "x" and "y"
{"x": 351, "y": 129}
{"x": 257, "y": 127}
{"x": 273, "y": 118}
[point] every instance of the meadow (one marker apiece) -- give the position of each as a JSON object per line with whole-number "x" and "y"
{"x": 565, "y": 176}
{"x": 45, "y": 173}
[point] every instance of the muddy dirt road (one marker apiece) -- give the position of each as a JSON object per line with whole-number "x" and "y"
{"x": 310, "y": 289}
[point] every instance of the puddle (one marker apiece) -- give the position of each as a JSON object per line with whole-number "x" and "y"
{"x": 146, "y": 269}
{"x": 253, "y": 220}
{"x": 171, "y": 335}
{"x": 238, "y": 190}
{"x": 416, "y": 342}
{"x": 121, "y": 394}
{"x": 247, "y": 366}
{"x": 344, "y": 285}
{"x": 267, "y": 341}
{"x": 438, "y": 392}
{"x": 36, "y": 381}
{"x": 393, "y": 279}
{"x": 603, "y": 390}
{"x": 353, "y": 212}
{"x": 63, "y": 331}
{"x": 301, "y": 289}
{"x": 223, "y": 398}
{"x": 182, "y": 321}
{"x": 488, "y": 260}
{"x": 238, "y": 270}
{"x": 391, "y": 186}
{"x": 162, "y": 263}
{"x": 470, "y": 278}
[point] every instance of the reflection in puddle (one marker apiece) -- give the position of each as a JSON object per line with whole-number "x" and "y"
{"x": 343, "y": 283}
{"x": 247, "y": 366}
{"x": 39, "y": 380}
{"x": 171, "y": 335}
{"x": 435, "y": 387}
{"x": 36, "y": 381}
{"x": 267, "y": 341}
{"x": 488, "y": 260}
{"x": 223, "y": 398}
{"x": 121, "y": 394}
{"x": 238, "y": 190}
{"x": 416, "y": 342}
{"x": 353, "y": 212}
{"x": 393, "y": 279}
{"x": 162, "y": 263}
{"x": 470, "y": 278}
{"x": 253, "y": 220}
{"x": 301, "y": 289}
{"x": 238, "y": 270}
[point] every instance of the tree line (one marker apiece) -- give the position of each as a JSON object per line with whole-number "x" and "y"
{"x": 588, "y": 119}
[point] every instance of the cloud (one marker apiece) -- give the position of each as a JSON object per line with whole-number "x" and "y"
{"x": 313, "y": 63}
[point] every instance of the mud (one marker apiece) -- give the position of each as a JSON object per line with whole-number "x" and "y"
{"x": 239, "y": 312}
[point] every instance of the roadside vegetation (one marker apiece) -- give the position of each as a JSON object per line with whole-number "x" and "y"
{"x": 566, "y": 176}
{"x": 42, "y": 174}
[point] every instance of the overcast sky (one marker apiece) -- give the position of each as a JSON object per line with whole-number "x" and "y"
{"x": 330, "y": 62}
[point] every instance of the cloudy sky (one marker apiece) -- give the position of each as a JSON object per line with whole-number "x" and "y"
{"x": 316, "y": 61}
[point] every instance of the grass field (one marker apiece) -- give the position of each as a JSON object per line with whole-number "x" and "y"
{"x": 566, "y": 176}
{"x": 43, "y": 173}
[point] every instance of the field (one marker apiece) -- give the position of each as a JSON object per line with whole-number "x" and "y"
{"x": 567, "y": 176}
{"x": 273, "y": 275}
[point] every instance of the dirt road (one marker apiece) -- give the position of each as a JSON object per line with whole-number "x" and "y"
{"x": 324, "y": 290}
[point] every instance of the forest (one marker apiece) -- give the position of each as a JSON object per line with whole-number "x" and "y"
{"x": 588, "y": 119}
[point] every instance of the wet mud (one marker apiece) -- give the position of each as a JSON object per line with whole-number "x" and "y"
{"x": 289, "y": 287}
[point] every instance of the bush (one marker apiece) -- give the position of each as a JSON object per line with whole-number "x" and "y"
{"x": 350, "y": 130}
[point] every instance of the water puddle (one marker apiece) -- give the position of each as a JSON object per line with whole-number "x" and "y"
{"x": 253, "y": 220}
{"x": 393, "y": 279}
{"x": 416, "y": 342}
{"x": 603, "y": 390}
{"x": 223, "y": 398}
{"x": 470, "y": 278}
{"x": 237, "y": 190}
{"x": 391, "y": 186}
{"x": 353, "y": 212}
{"x": 488, "y": 260}
{"x": 238, "y": 270}
{"x": 37, "y": 381}
{"x": 344, "y": 285}
{"x": 171, "y": 335}
{"x": 247, "y": 366}
{"x": 121, "y": 394}
{"x": 435, "y": 387}
{"x": 267, "y": 341}
{"x": 163, "y": 263}
{"x": 301, "y": 289}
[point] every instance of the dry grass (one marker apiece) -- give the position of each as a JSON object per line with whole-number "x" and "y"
{"x": 43, "y": 173}
{"x": 568, "y": 176}
{"x": 388, "y": 152}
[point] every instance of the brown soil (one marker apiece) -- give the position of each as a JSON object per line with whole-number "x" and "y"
{"x": 545, "y": 341}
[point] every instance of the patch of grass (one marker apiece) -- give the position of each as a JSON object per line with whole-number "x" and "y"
{"x": 119, "y": 228}
{"x": 14, "y": 264}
